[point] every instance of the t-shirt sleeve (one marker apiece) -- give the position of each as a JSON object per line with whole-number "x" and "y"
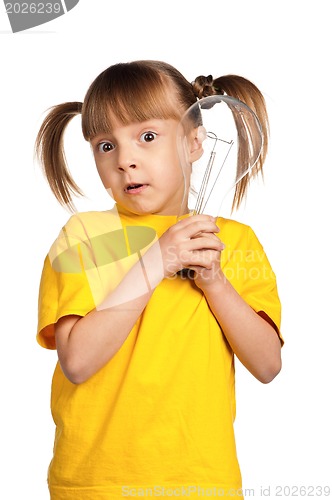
{"x": 259, "y": 287}
{"x": 61, "y": 293}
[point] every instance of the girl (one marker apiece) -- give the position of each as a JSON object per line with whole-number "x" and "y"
{"x": 143, "y": 393}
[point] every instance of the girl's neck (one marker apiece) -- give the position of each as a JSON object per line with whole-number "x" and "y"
{"x": 122, "y": 210}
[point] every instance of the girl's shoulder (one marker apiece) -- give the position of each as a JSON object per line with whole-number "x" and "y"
{"x": 84, "y": 229}
{"x": 238, "y": 236}
{"x": 234, "y": 228}
{"x": 81, "y": 225}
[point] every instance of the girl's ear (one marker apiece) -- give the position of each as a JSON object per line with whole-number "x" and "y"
{"x": 196, "y": 143}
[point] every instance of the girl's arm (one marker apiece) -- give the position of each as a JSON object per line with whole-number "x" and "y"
{"x": 254, "y": 341}
{"x": 251, "y": 337}
{"x": 86, "y": 344}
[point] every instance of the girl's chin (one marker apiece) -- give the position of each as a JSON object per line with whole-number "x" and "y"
{"x": 138, "y": 206}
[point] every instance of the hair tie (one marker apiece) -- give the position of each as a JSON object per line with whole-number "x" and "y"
{"x": 203, "y": 87}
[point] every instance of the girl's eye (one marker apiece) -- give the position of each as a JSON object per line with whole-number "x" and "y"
{"x": 148, "y": 136}
{"x": 105, "y": 147}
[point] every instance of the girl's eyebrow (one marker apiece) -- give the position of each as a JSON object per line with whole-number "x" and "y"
{"x": 146, "y": 124}
{"x": 100, "y": 136}
{"x": 154, "y": 121}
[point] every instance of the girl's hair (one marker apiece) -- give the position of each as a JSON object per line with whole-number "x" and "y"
{"x": 134, "y": 92}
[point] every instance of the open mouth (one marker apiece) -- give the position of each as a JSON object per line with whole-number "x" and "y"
{"x": 135, "y": 188}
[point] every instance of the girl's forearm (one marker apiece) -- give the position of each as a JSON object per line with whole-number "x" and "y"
{"x": 86, "y": 344}
{"x": 253, "y": 340}
{"x": 96, "y": 338}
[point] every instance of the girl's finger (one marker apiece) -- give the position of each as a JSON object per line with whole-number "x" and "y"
{"x": 205, "y": 243}
{"x": 195, "y": 226}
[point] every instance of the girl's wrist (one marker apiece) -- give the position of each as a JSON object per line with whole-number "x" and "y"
{"x": 218, "y": 284}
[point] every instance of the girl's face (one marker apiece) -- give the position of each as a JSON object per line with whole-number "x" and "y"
{"x": 139, "y": 166}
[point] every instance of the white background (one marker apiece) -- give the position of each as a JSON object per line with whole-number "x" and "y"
{"x": 283, "y": 429}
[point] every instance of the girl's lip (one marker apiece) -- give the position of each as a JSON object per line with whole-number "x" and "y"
{"x": 135, "y": 188}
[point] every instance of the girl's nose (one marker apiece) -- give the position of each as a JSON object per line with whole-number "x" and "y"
{"x": 127, "y": 167}
{"x": 126, "y": 160}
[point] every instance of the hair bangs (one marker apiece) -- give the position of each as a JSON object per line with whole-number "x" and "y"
{"x": 129, "y": 93}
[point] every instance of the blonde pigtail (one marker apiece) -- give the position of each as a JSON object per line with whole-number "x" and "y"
{"x": 50, "y": 152}
{"x": 244, "y": 90}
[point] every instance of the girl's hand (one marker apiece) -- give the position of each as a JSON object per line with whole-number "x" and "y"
{"x": 211, "y": 273}
{"x": 191, "y": 243}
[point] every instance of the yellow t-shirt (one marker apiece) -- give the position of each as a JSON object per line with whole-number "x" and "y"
{"x": 157, "y": 419}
